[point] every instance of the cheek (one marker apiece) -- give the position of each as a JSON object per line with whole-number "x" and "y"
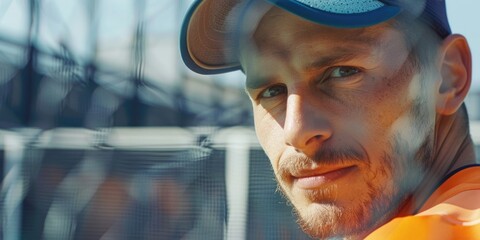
{"x": 390, "y": 92}
{"x": 393, "y": 100}
{"x": 370, "y": 117}
{"x": 379, "y": 116}
{"x": 269, "y": 134}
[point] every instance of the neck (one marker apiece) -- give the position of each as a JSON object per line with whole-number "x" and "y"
{"x": 453, "y": 148}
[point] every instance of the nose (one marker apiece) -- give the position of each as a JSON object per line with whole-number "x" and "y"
{"x": 306, "y": 126}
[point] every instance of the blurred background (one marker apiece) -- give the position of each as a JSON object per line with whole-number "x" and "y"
{"x": 104, "y": 134}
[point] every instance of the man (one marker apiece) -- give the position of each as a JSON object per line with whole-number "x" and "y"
{"x": 359, "y": 106}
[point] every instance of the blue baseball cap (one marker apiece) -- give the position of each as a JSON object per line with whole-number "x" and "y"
{"x": 211, "y": 27}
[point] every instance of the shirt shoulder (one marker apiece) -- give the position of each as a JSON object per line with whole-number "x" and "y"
{"x": 451, "y": 212}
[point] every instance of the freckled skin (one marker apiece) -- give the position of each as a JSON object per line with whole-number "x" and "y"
{"x": 366, "y": 114}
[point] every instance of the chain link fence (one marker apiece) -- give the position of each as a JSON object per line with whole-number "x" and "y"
{"x": 105, "y": 135}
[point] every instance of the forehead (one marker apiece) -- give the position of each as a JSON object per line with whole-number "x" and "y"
{"x": 283, "y": 33}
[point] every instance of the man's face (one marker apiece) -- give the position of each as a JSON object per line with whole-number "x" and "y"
{"x": 343, "y": 118}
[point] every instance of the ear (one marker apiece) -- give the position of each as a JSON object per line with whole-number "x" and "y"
{"x": 456, "y": 74}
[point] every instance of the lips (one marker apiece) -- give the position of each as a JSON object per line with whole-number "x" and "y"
{"x": 312, "y": 179}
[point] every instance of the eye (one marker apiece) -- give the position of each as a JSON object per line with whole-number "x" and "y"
{"x": 343, "y": 71}
{"x": 273, "y": 91}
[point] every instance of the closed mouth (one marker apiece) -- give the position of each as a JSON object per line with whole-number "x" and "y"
{"x": 310, "y": 179}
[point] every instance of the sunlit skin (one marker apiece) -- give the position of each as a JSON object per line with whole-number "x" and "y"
{"x": 348, "y": 123}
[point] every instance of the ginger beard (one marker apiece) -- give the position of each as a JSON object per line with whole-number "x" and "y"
{"x": 323, "y": 218}
{"x": 400, "y": 169}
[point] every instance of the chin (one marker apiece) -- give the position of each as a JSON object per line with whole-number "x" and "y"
{"x": 326, "y": 221}
{"x": 333, "y": 221}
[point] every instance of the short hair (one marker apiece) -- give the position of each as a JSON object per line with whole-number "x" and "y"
{"x": 421, "y": 39}
{"x": 424, "y": 44}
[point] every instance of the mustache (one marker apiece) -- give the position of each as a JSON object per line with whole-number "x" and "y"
{"x": 325, "y": 156}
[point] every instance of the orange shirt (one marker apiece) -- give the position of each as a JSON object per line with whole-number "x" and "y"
{"x": 451, "y": 212}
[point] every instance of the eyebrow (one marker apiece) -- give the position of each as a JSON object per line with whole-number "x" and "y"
{"x": 255, "y": 83}
{"x": 360, "y": 46}
{"x": 332, "y": 59}
{"x": 341, "y": 55}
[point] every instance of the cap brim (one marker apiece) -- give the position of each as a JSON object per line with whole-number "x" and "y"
{"x": 204, "y": 37}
